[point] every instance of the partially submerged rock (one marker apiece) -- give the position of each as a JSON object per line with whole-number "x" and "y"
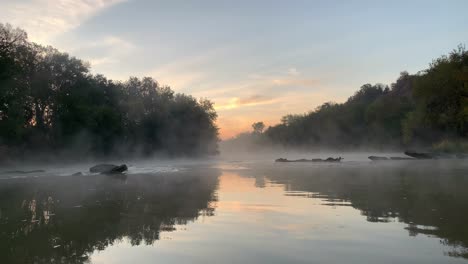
{"x": 108, "y": 168}
{"x": 420, "y": 155}
{"x": 437, "y": 155}
{"x": 119, "y": 169}
{"x": 333, "y": 159}
{"x": 374, "y": 158}
{"x": 330, "y": 159}
{"x": 380, "y": 158}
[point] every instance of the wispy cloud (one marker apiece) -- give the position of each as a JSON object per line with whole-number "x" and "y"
{"x": 44, "y": 19}
{"x": 186, "y": 71}
{"x": 108, "y": 50}
{"x": 236, "y": 120}
{"x": 116, "y": 42}
{"x": 273, "y": 85}
{"x": 245, "y": 101}
{"x": 297, "y": 82}
{"x": 102, "y": 61}
{"x": 293, "y": 72}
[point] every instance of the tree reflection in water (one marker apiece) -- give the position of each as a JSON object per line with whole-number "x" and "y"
{"x": 430, "y": 197}
{"x": 65, "y": 219}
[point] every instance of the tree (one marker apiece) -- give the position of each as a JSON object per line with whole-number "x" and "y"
{"x": 50, "y": 102}
{"x": 258, "y": 127}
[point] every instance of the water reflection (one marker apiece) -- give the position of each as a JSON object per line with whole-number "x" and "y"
{"x": 431, "y": 198}
{"x": 65, "y": 219}
{"x": 270, "y": 213}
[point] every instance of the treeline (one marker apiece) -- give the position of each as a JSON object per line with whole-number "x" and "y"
{"x": 50, "y": 102}
{"x": 428, "y": 109}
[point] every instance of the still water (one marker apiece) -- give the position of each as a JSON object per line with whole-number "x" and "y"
{"x": 237, "y": 212}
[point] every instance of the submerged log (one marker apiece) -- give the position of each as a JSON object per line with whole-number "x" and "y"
{"x": 374, "y": 158}
{"x": 330, "y": 159}
{"x": 108, "y": 168}
{"x": 379, "y": 158}
{"x": 439, "y": 155}
{"x": 401, "y": 158}
{"x": 420, "y": 155}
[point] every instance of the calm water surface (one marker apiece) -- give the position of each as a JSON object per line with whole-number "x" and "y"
{"x": 354, "y": 212}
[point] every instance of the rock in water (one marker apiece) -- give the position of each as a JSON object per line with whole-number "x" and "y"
{"x": 119, "y": 169}
{"x": 312, "y": 160}
{"x": 108, "y": 168}
{"x": 100, "y": 168}
{"x": 373, "y": 158}
{"x": 330, "y": 159}
{"x": 419, "y": 155}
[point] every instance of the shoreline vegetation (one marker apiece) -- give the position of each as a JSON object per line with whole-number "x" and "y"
{"x": 51, "y": 105}
{"x": 427, "y": 110}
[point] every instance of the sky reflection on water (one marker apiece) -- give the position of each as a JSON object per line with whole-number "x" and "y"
{"x": 266, "y": 213}
{"x": 317, "y": 215}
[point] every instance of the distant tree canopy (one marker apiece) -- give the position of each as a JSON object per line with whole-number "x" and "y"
{"x": 50, "y": 102}
{"x": 258, "y": 127}
{"x": 421, "y": 109}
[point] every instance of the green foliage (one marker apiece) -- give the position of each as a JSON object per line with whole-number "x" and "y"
{"x": 442, "y": 97}
{"x": 451, "y": 146}
{"x": 417, "y": 109}
{"x": 50, "y": 102}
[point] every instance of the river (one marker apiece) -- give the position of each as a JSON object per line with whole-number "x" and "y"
{"x": 234, "y": 211}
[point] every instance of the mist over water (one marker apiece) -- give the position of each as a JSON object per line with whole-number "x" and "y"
{"x": 236, "y": 209}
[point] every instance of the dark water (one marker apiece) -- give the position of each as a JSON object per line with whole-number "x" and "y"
{"x": 398, "y": 212}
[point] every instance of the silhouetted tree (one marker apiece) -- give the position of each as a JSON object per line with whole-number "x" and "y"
{"x": 50, "y": 102}
{"x": 258, "y": 127}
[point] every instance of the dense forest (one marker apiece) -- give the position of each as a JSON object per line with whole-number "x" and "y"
{"x": 427, "y": 109}
{"x": 51, "y": 103}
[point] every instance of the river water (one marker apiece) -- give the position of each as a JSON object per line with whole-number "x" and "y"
{"x": 238, "y": 212}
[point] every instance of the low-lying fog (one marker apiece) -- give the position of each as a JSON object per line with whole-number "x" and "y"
{"x": 226, "y": 158}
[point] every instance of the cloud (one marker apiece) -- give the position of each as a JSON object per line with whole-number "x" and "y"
{"x": 44, "y": 19}
{"x": 182, "y": 73}
{"x": 102, "y": 61}
{"x": 297, "y": 82}
{"x": 267, "y": 84}
{"x": 254, "y": 99}
{"x": 115, "y": 42}
{"x": 245, "y": 101}
{"x": 238, "y": 119}
{"x": 293, "y": 72}
{"x": 106, "y": 51}
{"x": 179, "y": 81}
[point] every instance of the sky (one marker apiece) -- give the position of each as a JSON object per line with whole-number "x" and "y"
{"x": 257, "y": 60}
